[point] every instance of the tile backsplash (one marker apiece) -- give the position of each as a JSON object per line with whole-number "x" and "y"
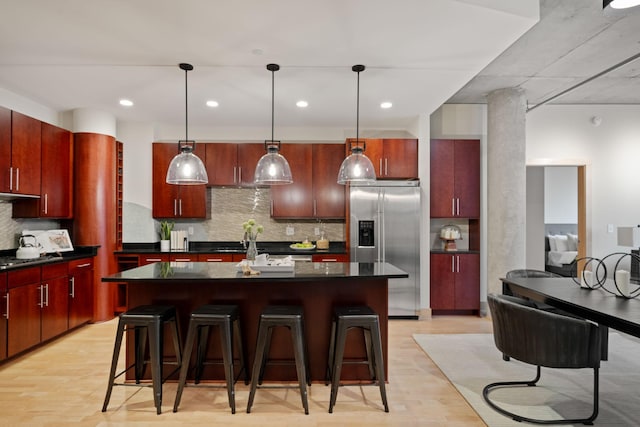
{"x": 229, "y": 208}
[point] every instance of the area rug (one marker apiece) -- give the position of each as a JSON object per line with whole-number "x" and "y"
{"x": 471, "y": 361}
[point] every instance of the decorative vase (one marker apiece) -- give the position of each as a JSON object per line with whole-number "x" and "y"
{"x": 165, "y": 245}
{"x": 252, "y": 250}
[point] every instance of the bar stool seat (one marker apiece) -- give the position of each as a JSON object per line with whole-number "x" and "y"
{"x": 281, "y": 316}
{"x": 366, "y": 319}
{"x": 146, "y": 321}
{"x": 227, "y": 319}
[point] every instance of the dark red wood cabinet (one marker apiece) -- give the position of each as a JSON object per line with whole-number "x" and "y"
{"x": 232, "y": 164}
{"x": 4, "y": 305}
{"x": 80, "y": 292}
{"x": 455, "y": 282}
{"x": 56, "y": 194}
{"x": 175, "y": 201}
{"x": 392, "y": 158}
{"x": 315, "y": 192}
{"x": 54, "y": 301}
{"x": 455, "y": 178}
{"x": 23, "y": 314}
{"x": 20, "y": 153}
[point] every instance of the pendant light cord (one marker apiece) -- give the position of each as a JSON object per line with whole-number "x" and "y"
{"x": 186, "y": 108}
{"x": 273, "y": 73}
{"x": 358, "y": 112}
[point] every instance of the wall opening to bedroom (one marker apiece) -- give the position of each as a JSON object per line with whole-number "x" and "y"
{"x": 556, "y": 208}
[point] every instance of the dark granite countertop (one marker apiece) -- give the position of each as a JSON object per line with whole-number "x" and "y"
{"x": 272, "y": 248}
{"x": 228, "y": 271}
{"x": 79, "y": 252}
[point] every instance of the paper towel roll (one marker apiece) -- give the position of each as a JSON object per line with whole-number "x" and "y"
{"x": 622, "y": 281}
{"x": 587, "y": 279}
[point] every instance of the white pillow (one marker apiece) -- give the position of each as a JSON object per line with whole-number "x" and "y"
{"x": 573, "y": 242}
{"x": 562, "y": 243}
{"x": 552, "y": 243}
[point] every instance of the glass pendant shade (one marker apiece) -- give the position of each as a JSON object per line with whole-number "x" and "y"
{"x": 273, "y": 168}
{"x": 186, "y": 169}
{"x": 356, "y": 167}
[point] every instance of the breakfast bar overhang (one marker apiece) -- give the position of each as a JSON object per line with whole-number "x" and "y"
{"x": 317, "y": 286}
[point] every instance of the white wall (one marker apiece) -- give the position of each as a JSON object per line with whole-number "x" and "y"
{"x": 560, "y": 195}
{"x": 535, "y": 217}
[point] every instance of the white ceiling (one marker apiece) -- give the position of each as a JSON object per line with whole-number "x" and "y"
{"x": 70, "y": 54}
{"x": 574, "y": 40}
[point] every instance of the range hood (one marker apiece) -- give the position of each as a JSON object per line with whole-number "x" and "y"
{"x": 14, "y": 196}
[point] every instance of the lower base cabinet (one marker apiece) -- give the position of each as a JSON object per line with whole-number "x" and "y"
{"x": 455, "y": 282}
{"x": 80, "y": 292}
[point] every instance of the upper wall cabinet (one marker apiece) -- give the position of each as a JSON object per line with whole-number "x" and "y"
{"x": 391, "y": 158}
{"x": 455, "y": 178}
{"x": 315, "y": 192}
{"x": 20, "y": 156}
{"x": 175, "y": 201}
{"x": 231, "y": 164}
{"x": 56, "y": 200}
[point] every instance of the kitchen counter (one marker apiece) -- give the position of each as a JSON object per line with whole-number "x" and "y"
{"x": 272, "y": 248}
{"x": 79, "y": 252}
{"x": 318, "y": 287}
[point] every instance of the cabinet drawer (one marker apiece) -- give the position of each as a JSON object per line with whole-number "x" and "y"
{"x": 58, "y": 269}
{"x": 215, "y": 257}
{"x": 23, "y": 277}
{"x": 330, "y": 258}
{"x": 81, "y": 264}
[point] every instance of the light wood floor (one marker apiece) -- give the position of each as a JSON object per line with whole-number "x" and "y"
{"x": 64, "y": 383}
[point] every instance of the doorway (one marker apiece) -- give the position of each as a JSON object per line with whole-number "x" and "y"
{"x": 556, "y": 205}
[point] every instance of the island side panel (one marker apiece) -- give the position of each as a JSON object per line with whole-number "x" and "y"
{"x": 317, "y": 296}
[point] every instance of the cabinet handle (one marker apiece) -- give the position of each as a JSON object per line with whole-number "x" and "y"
{"x": 175, "y": 207}
{"x": 17, "y": 179}
{"x": 458, "y": 264}
{"x": 214, "y": 259}
{"x": 41, "y": 303}
{"x": 453, "y": 266}
{"x": 386, "y": 168}
{"x": 46, "y": 203}
{"x": 239, "y": 174}
{"x": 72, "y": 282}
{"x": 182, "y": 260}
{"x": 380, "y": 168}
{"x": 453, "y": 206}
{"x": 10, "y": 178}
{"x": 329, "y": 260}
{"x": 86, "y": 264}
{"x": 458, "y": 206}
{"x": 7, "y": 313}
{"x": 46, "y": 295}
{"x": 180, "y": 205}
{"x": 153, "y": 260}
{"x": 315, "y": 210}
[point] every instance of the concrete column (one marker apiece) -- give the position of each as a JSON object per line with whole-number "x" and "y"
{"x": 506, "y": 185}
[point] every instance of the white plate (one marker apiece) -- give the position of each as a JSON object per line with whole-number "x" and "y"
{"x": 295, "y": 248}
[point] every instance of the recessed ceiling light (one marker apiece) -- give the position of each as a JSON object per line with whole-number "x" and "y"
{"x": 126, "y": 103}
{"x": 302, "y": 104}
{"x": 386, "y": 104}
{"x": 622, "y": 4}
{"x": 212, "y": 104}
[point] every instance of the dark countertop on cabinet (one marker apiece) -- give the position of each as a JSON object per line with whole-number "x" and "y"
{"x": 78, "y": 252}
{"x": 181, "y": 272}
{"x": 270, "y": 247}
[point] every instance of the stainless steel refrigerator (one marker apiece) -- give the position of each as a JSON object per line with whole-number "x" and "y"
{"x": 385, "y": 227}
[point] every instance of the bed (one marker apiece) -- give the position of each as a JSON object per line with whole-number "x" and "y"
{"x": 561, "y": 248}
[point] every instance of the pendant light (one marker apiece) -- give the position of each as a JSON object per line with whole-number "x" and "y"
{"x": 357, "y": 166}
{"x": 272, "y": 168}
{"x": 186, "y": 168}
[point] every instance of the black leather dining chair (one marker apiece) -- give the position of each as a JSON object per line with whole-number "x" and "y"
{"x": 544, "y": 339}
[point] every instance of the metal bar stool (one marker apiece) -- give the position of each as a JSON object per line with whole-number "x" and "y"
{"x": 345, "y": 318}
{"x": 275, "y": 316}
{"x": 146, "y": 320}
{"x": 226, "y": 317}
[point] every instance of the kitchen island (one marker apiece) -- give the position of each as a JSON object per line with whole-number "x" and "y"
{"x": 317, "y": 286}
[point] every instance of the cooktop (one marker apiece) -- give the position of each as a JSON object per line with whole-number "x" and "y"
{"x": 10, "y": 261}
